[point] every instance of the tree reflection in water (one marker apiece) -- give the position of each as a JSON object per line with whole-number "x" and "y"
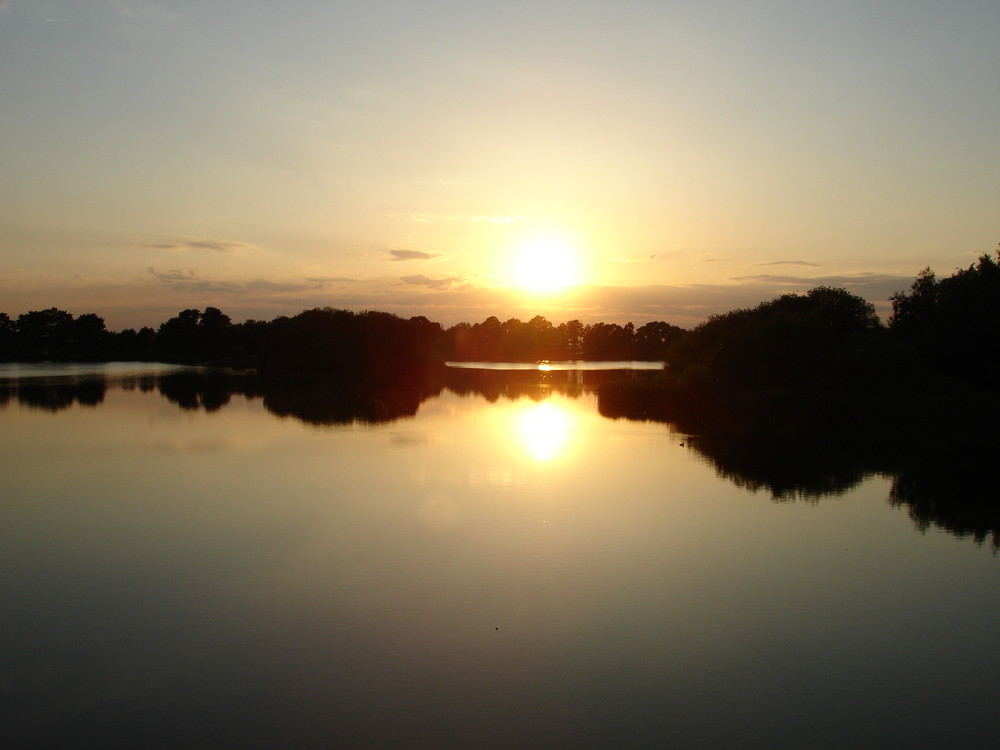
{"x": 809, "y": 447}
{"x": 54, "y": 397}
{"x": 941, "y": 474}
{"x": 956, "y": 492}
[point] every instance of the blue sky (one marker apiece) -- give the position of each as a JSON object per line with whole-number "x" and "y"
{"x": 266, "y": 157}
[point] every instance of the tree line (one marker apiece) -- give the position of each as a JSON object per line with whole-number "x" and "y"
{"x": 325, "y": 339}
{"x": 538, "y": 339}
{"x": 940, "y": 330}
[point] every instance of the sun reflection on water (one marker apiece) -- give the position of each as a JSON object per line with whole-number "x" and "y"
{"x": 544, "y": 429}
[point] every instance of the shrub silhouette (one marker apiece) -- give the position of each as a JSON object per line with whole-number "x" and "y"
{"x": 793, "y": 340}
{"x": 953, "y": 324}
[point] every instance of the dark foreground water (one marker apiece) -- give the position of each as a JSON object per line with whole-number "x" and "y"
{"x": 191, "y": 562}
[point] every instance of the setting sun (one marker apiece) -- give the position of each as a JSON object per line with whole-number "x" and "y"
{"x": 546, "y": 265}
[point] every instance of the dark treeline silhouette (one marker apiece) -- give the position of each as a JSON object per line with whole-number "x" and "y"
{"x": 538, "y": 339}
{"x": 370, "y": 347}
{"x": 941, "y": 333}
{"x": 55, "y": 334}
{"x": 952, "y": 325}
{"x": 346, "y": 345}
{"x": 189, "y": 337}
{"x": 825, "y": 336}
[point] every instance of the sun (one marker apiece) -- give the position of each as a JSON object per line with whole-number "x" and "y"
{"x": 546, "y": 265}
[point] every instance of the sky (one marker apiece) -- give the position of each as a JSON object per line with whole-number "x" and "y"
{"x": 686, "y": 158}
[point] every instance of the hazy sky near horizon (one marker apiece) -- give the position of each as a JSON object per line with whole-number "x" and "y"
{"x": 266, "y": 157}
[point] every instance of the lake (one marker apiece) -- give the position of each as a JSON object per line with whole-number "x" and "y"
{"x": 188, "y": 559}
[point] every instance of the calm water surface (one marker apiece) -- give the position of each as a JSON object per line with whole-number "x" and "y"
{"x": 504, "y": 568}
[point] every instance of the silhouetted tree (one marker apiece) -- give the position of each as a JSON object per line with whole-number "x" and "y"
{"x": 179, "y": 338}
{"x": 129, "y": 344}
{"x": 247, "y": 338}
{"x": 195, "y": 336}
{"x": 44, "y": 334}
{"x": 953, "y": 323}
{"x": 571, "y": 339}
{"x": 608, "y": 341}
{"x": 90, "y": 339}
{"x": 793, "y": 340}
{"x": 486, "y": 336}
{"x": 654, "y": 340}
{"x": 428, "y": 336}
{"x": 341, "y": 345}
{"x": 914, "y": 313}
{"x": 538, "y": 339}
{"x": 215, "y": 328}
{"x": 54, "y": 334}
{"x": 459, "y": 343}
{"x": 8, "y": 339}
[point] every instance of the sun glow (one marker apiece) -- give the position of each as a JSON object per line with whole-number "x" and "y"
{"x": 546, "y": 265}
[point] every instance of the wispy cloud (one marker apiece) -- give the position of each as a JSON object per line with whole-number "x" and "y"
{"x": 173, "y": 275}
{"x": 788, "y": 263}
{"x": 427, "y": 281}
{"x": 322, "y": 280}
{"x": 258, "y": 285}
{"x": 219, "y": 246}
{"x": 875, "y": 287}
{"x": 198, "y": 243}
{"x": 209, "y": 286}
{"x": 403, "y": 254}
{"x": 844, "y": 280}
{"x": 189, "y": 281}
